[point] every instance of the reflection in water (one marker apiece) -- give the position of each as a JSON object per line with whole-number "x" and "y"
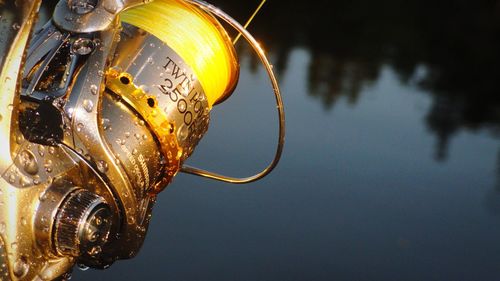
{"x": 349, "y": 41}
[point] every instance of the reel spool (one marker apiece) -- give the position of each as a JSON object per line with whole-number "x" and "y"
{"x": 173, "y": 63}
{"x": 94, "y": 127}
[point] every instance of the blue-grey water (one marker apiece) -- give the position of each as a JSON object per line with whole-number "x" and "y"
{"x": 391, "y": 169}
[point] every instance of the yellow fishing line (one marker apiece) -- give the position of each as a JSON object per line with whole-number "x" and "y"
{"x": 196, "y": 37}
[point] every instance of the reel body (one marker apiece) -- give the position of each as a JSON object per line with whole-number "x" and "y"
{"x": 98, "y": 117}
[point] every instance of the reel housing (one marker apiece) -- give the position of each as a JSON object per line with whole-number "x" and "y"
{"x": 99, "y": 122}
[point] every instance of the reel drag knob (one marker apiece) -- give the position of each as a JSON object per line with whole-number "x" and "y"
{"x": 82, "y": 225}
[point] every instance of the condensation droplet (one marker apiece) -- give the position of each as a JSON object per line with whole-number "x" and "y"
{"x": 105, "y": 124}
{"x": 88, "y": 105}
{"x": 83, "y": 46}
{"x": 183, "y": 132}
{"x": 25, "y": 181}
{"x": 28, "y": 162}
{"x": 82, "y": 7}
{"x": 102, "y": 166}
{"x": 48, "y": 166}
{"x": 93, "y": 89}
{"x": 41, "y": 150}
{"x": 21, "y": 267}
{"x": 79, "y": 127}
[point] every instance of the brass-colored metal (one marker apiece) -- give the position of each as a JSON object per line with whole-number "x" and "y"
{"x": 148, "y": 108}
{"x": 20, "y": 184}
{"x": 71, "y": 188}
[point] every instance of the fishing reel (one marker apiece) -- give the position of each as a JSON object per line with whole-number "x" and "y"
{"x": 99, "y": 110}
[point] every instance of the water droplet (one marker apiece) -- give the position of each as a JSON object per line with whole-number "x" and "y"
{"x": 93, "y": 89}
{"x": 150, "y": 60}
{"x": 82, "y": 7}
{"x": 16, "y": 26}
{"x": 110, "y": 6}
{"x": 134, "y": 151}
{"x": 21, "y": 267}
{"x": 25, "y": 181}
{"x": 24, "y": 221}
{"x": 127, "y": 135}
{"x": 48, "y": 166}
{"x": 102, "y": 166}
{"x": 41, "y": 150}
{"x": 88, "y": 105}
{"x": 105, "y": 123}
{"x": 83, "y": 46}
{"x": 13, "y": 245}
{"x": 28, "y": 162}
{"x": 2, "y": 227}
{"x": 52, "y": 150}
{"x": 183, "y": 132}
{"x": 79, "y": 127}
{"x": 12, "y": 178}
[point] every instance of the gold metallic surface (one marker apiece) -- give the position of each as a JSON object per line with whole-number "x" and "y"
{"x": 20, "y": 259}
{"x": 37, "y": 176}
{"x": 147, "y": 106}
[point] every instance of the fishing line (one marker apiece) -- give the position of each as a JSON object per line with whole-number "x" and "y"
{"x": 197, "y": 37}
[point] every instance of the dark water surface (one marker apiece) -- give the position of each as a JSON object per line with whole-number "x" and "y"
{"x": 391, "y": 169}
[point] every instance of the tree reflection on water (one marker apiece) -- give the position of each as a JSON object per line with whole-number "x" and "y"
{"x": 456, "y": 42}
